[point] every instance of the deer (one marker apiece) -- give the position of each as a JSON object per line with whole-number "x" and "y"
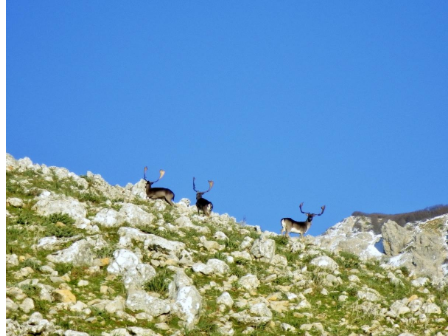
{"x": 290, "y": 225}
{"x": 201, "y": 203}
{"x": 158, "y": 193}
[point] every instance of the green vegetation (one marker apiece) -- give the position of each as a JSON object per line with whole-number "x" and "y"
{"x": 159, "y": 284}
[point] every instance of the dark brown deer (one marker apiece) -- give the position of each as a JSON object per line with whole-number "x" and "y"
{"x": 158, "y": 193}
{"x": 290, "y": 225}
{"x": 201, "y": 203}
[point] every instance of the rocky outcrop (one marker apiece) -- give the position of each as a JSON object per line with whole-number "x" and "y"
{"x": 395, "y": 238}
{"x": 345, "y": 236}
{"x": 426, "y": 254}
{"x": 421, "y": 247}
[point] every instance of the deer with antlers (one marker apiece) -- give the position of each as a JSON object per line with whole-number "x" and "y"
{"x": 201, "y": 203}
{"x": 158, "y": 193}
{"x": 290, "y": 225}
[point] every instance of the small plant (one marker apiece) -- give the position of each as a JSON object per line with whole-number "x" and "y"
{"x": 292, "y": 257}
{"x": 232, "y": 244}
{"x": 349, "y": 260}
{"x": 25, "y": 216}
{"x": 31, "y": 262}
{"x": 64, "y": 323}
{"x": 237, "y": 271}
{"x": 63, "y": 268}
{"x": 159, "y": 284}
{"x": 88, "y": 179}
{"x": 59, "y": 225}
{"x": 168, "y": 217}
{"x": 77, "y": 272}
{"x": 404, "y": 271}
{"x": 283, "y": 281}
{"x": 219, "y": 255}
{"x": 281, "y": 240}
{"x": 60, "y": 231}
{"x": 241, "y": 261}
{"x": 59, "y": 217}
{"x": 205, "y": 326}
{"x": 42, "y": 306}
{"x": 13, "y": 234}
{"x": 91, "y": 197}
{"x": 105, "y": 252}
{"x": 149, "y": 229}
{"x": 30, "y": 290}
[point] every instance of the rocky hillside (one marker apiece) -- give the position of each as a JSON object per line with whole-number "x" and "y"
{"x": 87, "y": 258}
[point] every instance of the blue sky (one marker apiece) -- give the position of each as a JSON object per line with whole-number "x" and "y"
{"x": 337, "y": 103}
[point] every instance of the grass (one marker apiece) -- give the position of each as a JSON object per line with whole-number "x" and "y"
{"x": 92, "y": 198}
{"x": 168, "y": 217}
{"x": 33, "y": 263}
{"x": 234, "y": 240}
{"x": 348, "y": 260}
{"x": 281, "y": 240}
{"x": 292, "y": 257}
{"x": 159, "y": 284}
{"x": 106, "y": 252}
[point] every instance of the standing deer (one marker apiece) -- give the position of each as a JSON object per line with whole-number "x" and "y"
{"x": 158, "y": 193}
{"x": 201, "y": 203}
{"x": 290, "y": 225}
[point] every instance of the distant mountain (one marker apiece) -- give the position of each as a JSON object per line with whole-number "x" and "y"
{"x": 378, "y": 219}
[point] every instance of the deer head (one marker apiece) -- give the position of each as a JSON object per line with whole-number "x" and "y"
{"x": 309, "y": 214}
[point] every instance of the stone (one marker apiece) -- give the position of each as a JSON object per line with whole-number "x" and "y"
{"x": 325, "y": 262}
{"x": 64, "y": 295}
{"x": 139, "y": 300}
{"x": 225, "y": 299}
{"x": 395, "y": 238}
{"x": 249, "y": 282}
{"x": 263, "y": 248}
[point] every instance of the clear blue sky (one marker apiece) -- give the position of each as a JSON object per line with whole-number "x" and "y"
{"x": 338, "y": 103}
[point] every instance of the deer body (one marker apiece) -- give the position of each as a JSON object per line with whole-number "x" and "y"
{"x": 201, "y": 203}
{"x": 290, "y": 225}
{"x": 204, "y": 205}
{"x": 158, "y": 193}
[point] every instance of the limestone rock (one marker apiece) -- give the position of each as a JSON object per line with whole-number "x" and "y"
{"x": 395, "y": 238}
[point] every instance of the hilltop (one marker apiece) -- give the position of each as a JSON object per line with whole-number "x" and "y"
{"x": 87, "y": 258}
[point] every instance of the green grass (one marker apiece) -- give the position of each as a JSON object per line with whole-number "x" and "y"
{"x": 281, "y": 240}
{"x": 63, "y": 268}
{"x": 348, "y": 260}
{"x": 92, "y": 198}
{"x": 53, "y": 226}
{"x": 159, "y": 284}
{"x": 33, "y": 263}
{"x": 168, "y": 217}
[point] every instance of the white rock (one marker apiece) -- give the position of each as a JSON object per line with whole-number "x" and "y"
{"x": 325, "y": 262}
{"x": 225, "y": 299}
{"x": 249, "y": 282}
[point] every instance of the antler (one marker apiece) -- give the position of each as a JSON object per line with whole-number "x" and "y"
{"x": 194, "y": 187}
{"x": 323, "y": 209}
{"x": 210, "y": 183}
{"x": 162, "y": 172}
{"x": 309, "y": 213}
